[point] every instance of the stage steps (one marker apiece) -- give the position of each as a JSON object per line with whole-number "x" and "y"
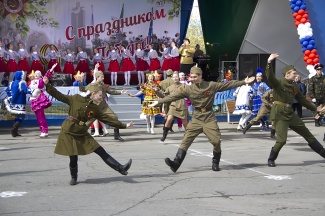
{"x": 126, "y": 108}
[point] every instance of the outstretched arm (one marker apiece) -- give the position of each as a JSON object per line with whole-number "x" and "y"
{"x": 55, "y": 93}
{"x": 269, "y": 71}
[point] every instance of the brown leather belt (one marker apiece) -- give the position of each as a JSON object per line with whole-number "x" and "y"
{"x": 282, "y": 104}
{"x": 81, "y": 123}
{"x": 202, "y": 110}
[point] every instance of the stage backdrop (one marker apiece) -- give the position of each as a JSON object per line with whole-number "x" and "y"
{"x": 89, "y": 24}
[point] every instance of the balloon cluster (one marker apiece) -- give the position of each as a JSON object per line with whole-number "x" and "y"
{"x": 305, "y": 32}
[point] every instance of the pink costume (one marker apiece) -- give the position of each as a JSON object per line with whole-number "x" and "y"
{"x": 39, "y": 102}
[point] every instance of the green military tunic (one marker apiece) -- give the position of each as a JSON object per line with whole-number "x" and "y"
{"x": 186, "y": 53}
{"x": 284, "y": 92}
{"x": 203, "y": 118}
{"x": 316, "y": 89}
{"x": 164, "y": 85}
{"x": 74, "y": 138}
{"x": 176, "y": 108}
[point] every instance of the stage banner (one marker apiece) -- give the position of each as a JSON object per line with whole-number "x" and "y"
{"x": 88, "y": 24}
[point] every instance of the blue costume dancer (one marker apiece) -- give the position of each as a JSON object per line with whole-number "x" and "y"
{"x": 16, "y": 100}
{"x": 259, "y": 88}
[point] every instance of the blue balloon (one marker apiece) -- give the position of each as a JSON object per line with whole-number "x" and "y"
{"x": 312, "y": 42}
{"x": 303, "y": 7}
{"x": 292, "y": 6}
{"x": 305, "y": 43}
{"x": 298, "y": 3}
{"x": 310, "y": 47}
{"x": 302, "y": 40}
{"x": 304, "y": 49}
{"x": 293, "y": 1}
{"x": 296, "y": 9}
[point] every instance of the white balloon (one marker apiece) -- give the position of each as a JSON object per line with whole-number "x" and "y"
{"x": 309, "y": 33}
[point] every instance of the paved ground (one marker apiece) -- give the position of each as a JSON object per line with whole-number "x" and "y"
{"x": 35, "y": 181}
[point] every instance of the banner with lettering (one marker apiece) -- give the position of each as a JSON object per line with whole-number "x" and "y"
{"x": 88, "y": 24}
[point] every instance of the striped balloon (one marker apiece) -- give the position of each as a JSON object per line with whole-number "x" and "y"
{"x": 305, "y": 32}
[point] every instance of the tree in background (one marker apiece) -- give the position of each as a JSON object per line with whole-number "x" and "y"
{"x": 194, "y": 30}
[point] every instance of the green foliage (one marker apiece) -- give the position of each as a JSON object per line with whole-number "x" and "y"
{"x": 172, "y": 13}
{"x": 36, "y": 11}
{"x": 194, "y": 30}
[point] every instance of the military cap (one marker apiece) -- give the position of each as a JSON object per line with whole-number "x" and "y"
{"x": 93, "y": 87}
{"x": 196, "y": 70}
{"x": 318, "y": 65}
{"x": 170, "y": 72}
{"x": 287, "y": 69}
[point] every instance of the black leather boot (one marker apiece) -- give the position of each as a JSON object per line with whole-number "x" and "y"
{"x": 110, "y": 161}
{"x": 272, "y": 134}
{"x": 176, "y": 163}
{"x": 320, "y": 121}
{"x": 324, "y": 137}
{"x": 248, "y": 126}
{"x": 317, "y": 123}
{"x": 117, "y": 135}
{"x": 74, "y": 175}
{"x": 215, "y": 161}
{"x": 164, "y": 134}
{"x": 14, "y": 130}
{"x": 273, "y": 156}
{"x": 317, "y": 147}
{"x": 92, "y": 131}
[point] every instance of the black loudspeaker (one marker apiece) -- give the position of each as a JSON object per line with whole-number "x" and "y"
{"x": 248, "y": 64}
{"x": 61, "y": 80}
{"x": 263, "y": 62}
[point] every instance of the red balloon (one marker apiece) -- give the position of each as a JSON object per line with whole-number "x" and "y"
{"x": 305, "y": 15}
{"x": 301, "y": 12}
{"x": 316, "y": 60}
{"x": 307, "y": 52}
{"x": 314, "y": 50}
{"x": 305, "y": 58}
{"x": 312, "y": 55}
{"x": 294, "y": 14}
{"x": 298, "y": 17}
{"x": 297, "y": 23}
{"x": 303, "y": 20}
{"x": 309, "y": 61}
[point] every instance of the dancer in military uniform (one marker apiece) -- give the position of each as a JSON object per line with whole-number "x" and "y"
{"x": 164, "y": 85}
{"x": 201, "y": 94}
{"x": 316, "y": 89}
{"x": 265, "y": 109}
{"x": 176, "y": 108}
{"x": 186, "y": 52}
{"x": 74, "y": 138}
{"x": 284, "y": 91}
{"x": 99, "y": 77}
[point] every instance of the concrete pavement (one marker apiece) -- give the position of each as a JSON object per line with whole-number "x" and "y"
{"x": 35, "y": 181}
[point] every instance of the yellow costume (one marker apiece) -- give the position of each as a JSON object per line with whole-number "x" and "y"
{"x": 148, "y": 90}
